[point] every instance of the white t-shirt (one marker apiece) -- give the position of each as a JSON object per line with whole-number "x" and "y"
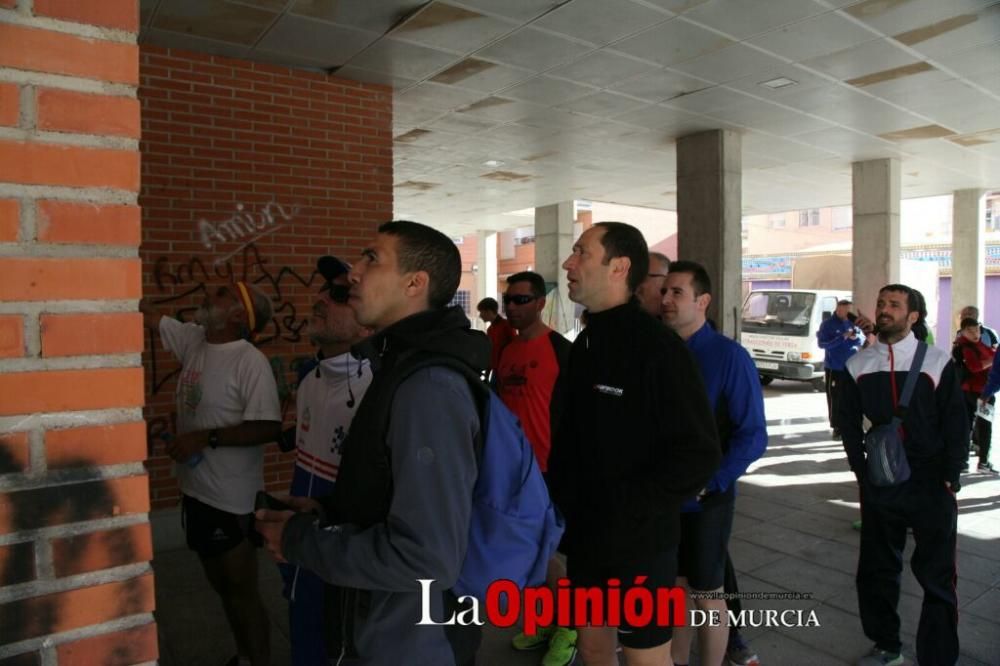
{"x": 324, "y": 416}
{"x": 221, "y": 385}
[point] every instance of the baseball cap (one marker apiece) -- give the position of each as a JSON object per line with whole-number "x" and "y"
{"x": 330, "y": 268}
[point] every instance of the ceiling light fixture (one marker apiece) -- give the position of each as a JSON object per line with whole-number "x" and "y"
{"x": 780, "y": 82}
{"x": 493, "y": 164}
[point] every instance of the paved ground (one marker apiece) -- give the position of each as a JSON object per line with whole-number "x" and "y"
{"x": 792, "y": 533}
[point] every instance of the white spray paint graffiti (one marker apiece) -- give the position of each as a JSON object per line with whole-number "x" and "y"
{"x": 244, "y": 226}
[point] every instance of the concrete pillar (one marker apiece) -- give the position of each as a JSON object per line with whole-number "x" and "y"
{"x": 875, "y": 198}
{"x": 486, "y": 274}
{"x": 709, "y": 201}
{"x": 968, "y": 254}
{"x": 553, "y": 244}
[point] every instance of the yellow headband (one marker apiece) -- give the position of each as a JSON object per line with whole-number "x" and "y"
{"x": 247, "y": 302}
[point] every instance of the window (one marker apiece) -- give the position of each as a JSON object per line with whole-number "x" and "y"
{"x": 524, "y": 235}
{"x": 841, "y": 218}
{"x": 463, "y": 298}
{"x": 829, "y": 305}
{"x": 809, "y": 218}
{"x": 993, "y": 214}
{"x": 776, "y": 221}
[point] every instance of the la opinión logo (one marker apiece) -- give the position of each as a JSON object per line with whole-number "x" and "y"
{"x": 506, "y": 604}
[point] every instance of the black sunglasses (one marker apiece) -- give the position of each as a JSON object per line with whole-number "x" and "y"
{"x": 339, "y": 293}
{"x": 519, "y": 299}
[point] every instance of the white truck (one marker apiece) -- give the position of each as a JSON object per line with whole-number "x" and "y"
{"x": 779, "y": 326}
{"x": 779, "y": 330}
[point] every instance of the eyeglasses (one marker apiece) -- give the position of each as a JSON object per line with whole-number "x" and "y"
{"x": 339, "y": 293}
{"x": 519, "y": 299}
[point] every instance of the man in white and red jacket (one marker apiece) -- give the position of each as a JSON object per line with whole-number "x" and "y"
{"x": 327, "y": 399}
{"x": 935, "y": 436}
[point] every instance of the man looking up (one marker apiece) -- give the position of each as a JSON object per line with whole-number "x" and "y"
{"x": 326, "y": 401}
{"x": 401, "y": 506}
{"x": 840, "y": 339}
{"x": 499, "y": 331}
{"x": 227, "y": 410}
{"x": 649, "y": 293}
{"x": 734, "y": 392}
{"x": 935, "y": 433}
{"x": 529, "y": 368}
{"x": 636, "y": 440}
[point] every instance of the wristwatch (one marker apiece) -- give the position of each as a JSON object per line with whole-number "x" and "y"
{"x": 213, "y": 438}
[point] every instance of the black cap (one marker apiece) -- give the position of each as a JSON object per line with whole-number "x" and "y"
{"x": 330, "y": 268}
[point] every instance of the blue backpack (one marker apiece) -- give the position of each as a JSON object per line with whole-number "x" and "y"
{"x": 514, "y": 528}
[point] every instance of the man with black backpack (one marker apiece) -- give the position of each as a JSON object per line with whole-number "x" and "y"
{"x": 908, "y": 467}
{"x": 402, "y": 503}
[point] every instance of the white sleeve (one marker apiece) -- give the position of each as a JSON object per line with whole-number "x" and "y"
{"x": 178, "y": 337}
{"x": 258, "y": 389}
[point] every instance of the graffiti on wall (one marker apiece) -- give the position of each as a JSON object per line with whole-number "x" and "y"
{"x": 176, "y": 284}
{"x": 36, "y": 508}
{"x": 244, "y": 226}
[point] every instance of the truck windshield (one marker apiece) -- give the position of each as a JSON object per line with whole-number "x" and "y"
{"x": 778, "y": 312}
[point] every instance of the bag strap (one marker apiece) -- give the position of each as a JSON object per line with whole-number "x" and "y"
{"x": 911, "y": 381}
{"x": 413, "y": 362}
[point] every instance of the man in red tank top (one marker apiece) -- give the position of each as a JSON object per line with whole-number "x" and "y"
{"x": 527, "y": 376}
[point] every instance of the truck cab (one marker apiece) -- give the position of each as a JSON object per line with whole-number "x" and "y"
{"x": 779, "y": 329}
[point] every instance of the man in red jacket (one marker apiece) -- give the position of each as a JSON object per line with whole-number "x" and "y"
{"x": 977, "y": 357}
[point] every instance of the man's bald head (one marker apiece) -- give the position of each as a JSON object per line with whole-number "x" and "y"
{"x": 648, "y": 293}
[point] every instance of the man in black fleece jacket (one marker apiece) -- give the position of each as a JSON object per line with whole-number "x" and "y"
{"x": 935, "y": 437}
{"x": 637, "y": 438}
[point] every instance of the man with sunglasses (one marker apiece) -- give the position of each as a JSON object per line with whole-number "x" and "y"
{"x": 650, "y": 291}
{"x": 527, "y": 375}
{"x": 326, "y": 401}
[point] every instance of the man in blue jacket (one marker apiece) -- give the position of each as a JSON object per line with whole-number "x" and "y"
{"x": 841, "y": 339}
{"x": 734, "y": 392}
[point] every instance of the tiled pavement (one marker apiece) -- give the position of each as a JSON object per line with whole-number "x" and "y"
{"x": 792, "y": 533}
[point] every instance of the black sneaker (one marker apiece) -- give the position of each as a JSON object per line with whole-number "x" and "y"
{"x": 986, "y": 467}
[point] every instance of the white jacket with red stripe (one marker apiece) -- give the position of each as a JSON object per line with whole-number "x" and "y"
{"x": 326, "y": 402}
{"x": 935, "y": 425}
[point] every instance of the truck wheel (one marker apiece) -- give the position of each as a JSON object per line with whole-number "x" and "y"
{"x": 819, "y": 385}
{"x": 765, "y": 380}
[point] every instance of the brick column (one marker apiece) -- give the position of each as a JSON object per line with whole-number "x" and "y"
{"x": 75, "y": 582}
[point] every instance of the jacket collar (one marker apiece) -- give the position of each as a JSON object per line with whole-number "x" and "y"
{"x": 907, "y": 345}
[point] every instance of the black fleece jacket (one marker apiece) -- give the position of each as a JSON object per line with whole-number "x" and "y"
{"x": 637, "y": 438}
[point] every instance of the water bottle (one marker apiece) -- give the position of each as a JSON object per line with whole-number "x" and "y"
{"x": 191, "y": 462}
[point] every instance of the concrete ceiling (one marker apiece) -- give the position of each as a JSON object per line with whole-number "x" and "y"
{"x": 509, "y": 104}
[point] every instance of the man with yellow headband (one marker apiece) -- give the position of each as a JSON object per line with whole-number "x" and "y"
{"x": 227, "y": 409}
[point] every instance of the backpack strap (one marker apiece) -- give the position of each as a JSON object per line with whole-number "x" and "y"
{"x": 911, "y": 381}
{"x": 415, "y": 362}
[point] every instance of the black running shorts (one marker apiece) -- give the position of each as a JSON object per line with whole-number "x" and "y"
{"x": 211, "y": 532}
{"x": 660, "y": 571}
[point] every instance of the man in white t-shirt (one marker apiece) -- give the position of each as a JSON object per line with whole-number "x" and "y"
{"x": 227, "y": 409}
{"x": 326, "y": 400}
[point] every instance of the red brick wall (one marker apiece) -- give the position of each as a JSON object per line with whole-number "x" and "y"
{"x": 250, "y": 171}
{"x": 74, "y": 535}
